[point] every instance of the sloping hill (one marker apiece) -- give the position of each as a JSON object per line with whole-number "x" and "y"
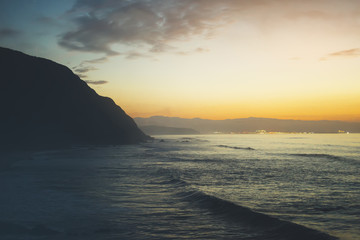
{"x": 45, "y": 103}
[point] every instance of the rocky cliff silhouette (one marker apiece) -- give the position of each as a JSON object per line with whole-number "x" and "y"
{"x": 45, "y": 103}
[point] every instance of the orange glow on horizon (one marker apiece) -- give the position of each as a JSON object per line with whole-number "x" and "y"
{"x": 320, "y": 109}
{"x": 320, "y": 117}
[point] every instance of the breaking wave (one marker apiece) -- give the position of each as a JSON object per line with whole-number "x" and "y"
{"x": 232, "y": 147}
{"x": 264, "y": 226}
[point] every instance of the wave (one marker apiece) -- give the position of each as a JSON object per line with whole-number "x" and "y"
{"x": 329, "y": 209}
{"x": 261, "y": 225}
{"x": 176, "y": 182}
{"x": 327, "y": 156}
{"x": 267, "y": 227}
{"x": 191, "y": 139}
{"x": 239, "y": 148}
{"x": 317, "y": 155}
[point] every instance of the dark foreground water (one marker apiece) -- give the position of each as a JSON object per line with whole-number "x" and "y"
{"x": 203, "y": 187}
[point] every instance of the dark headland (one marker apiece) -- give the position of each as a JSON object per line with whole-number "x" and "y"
{"x": 43, "y": 103}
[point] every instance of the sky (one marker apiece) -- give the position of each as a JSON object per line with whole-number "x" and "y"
{"x": 210, "y": 59}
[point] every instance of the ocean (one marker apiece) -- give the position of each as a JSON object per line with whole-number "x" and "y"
{"x": 243, "y": 186}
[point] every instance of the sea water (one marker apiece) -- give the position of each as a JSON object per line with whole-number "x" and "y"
{"x": 256, "y": 186}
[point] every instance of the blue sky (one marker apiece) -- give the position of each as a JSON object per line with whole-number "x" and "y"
{"x": 34, "y": 27}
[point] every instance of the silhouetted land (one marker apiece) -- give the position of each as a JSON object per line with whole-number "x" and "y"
{"x": 45, "y": 104}
{"x": 251, "y": 125}
{"x": 159, "y": 130}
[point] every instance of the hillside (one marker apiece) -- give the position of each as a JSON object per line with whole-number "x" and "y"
{"x": 45, "y": 103}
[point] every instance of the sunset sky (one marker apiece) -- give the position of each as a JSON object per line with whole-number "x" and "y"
{"x": 211, "y": 59}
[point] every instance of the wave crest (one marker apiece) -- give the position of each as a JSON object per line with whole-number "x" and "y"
{"x": 232, "y": 147}
{"x": 317, "y": 155}
{"x": 264, "y": 226}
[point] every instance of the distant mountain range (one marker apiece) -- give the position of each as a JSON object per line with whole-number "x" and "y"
{"x": 45, "y": 103}
{"x": 248, "y": 125}
{"x": 159, "y": 130}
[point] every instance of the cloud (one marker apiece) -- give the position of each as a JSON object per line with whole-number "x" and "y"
{"x": 152, "y": 25}
{"x": 8, "y": 33}
{"x": 84, "y": 69}
{"x": 135, "y": 55}
{"x": 354, "y": 52}
{"x": 201, "y": 50}
{"x": 82, "y": 76}
{"x": 84, "y": 66}
{"x": 197, "y": 50}
{"x": 81, "y": 69}
{"x": 97, "y": 60}
{"x": 94, "y": 82}
{"x": 156, "y": 26}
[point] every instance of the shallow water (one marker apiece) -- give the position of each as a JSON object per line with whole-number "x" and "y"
{"x": 198, "y": 187}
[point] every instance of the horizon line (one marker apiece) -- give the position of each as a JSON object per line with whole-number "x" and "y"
{"x": 284, "y": 119}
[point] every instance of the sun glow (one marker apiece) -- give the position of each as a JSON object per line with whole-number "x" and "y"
{"x": 228, "y": 59}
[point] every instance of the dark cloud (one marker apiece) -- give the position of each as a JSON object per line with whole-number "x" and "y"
{"x": 354, "y": 52}
{"x": 99, "y": 82}
{"x": 8, "y": 33}
{"x": 85, "y": 66}
{"x": 155, "y": 26}
{"x": 84, "y": 69}
{"x": 82, "y": 76}
{"x": 150, "y": 25}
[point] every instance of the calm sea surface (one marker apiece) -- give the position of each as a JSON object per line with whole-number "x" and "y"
{"x": 255, "y": 186}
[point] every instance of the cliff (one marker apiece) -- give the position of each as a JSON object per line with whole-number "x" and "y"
{"x": 45, "y": 103}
